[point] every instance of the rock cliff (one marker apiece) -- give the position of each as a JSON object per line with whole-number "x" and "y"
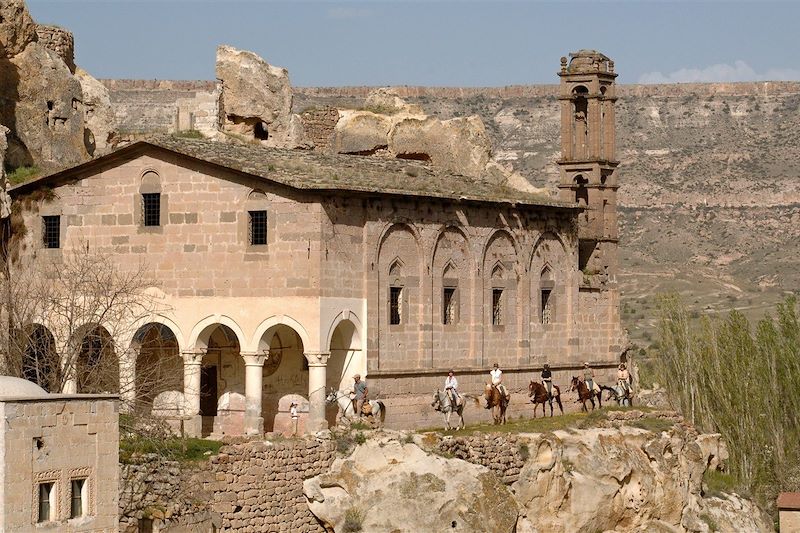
{"x": 617, "y": 477}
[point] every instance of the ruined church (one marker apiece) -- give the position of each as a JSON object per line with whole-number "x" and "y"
{"x": 282, "y": 273}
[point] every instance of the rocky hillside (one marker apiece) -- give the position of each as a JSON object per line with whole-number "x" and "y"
{"x": 710, "y": 194}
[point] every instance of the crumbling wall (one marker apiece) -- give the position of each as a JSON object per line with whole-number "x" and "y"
{"x": 259, "y": 485}
{"x": 58, "y": 40}
{"x": 504, "y": 455}
{"x": 319, "y": 124}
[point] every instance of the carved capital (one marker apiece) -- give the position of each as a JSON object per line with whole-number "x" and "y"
{"x": 192, "y": 358}
{"x": 254, "y": 359}
{"x": 317, "y": 358}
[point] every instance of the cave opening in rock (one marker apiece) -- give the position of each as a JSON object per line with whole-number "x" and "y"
{"x": 418, "y": 156}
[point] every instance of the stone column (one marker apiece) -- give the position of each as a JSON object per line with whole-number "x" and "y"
{"x": 253, "y": 390}
{"x": 127, "y": 381}
{"x": 192, "y": 421}
{"x": 317, "y": 380}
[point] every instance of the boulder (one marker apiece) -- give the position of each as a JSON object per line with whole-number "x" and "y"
{"x": 17, "y": 28}
{"x": 385, "y": 100}
{"x": 256, "y": 100}
{"x": 386, "y": 485}
{"x": 458, "y": 145}
{"x": 98, "y": 114}
{"x": 45, "y": 113}
{"x": 624, "y": 479}
{"x": 361, "y": 132}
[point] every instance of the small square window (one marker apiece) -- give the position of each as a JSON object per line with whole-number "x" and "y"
{"x": 449, "y": 306}
{"x": 257, "y": 227}
{"x": 547, "y": 306}
{"x": 76, "y": 509}
{"x": 46, "y": 494}
{"x": 151, "y": 209}
{"x": 497, "y": 307}
{"x": 51, "y": 231}
{"x": 395, "y": 305}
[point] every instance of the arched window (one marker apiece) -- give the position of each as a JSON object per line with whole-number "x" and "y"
{"x": 581, "y": 192}
{"x": 546, "y": 298}
{"x": 581, "y": 120}
{"x": 151, "y": 212}
{"x": 450, "y": 295}
{"x": 498, "y": 286}
{"x": 396, "y": 286}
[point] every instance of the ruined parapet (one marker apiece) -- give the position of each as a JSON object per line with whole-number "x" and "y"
{"x": 319, "y": 124}
{"x": 59, "y": 41}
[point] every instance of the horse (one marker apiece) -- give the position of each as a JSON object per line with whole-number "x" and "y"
{"x": 585, "y": 394}
{"x": 618, "y": 395}
{"x": 347, "y": 408}
{"x": 538, "y": 394}
{"x": 497, "y": 402}
{"x": 443, "y": 402}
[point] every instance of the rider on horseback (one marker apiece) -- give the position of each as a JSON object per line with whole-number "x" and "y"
{"x": 547, "y": 380}
{"x": 624, "y": 379}
{"x": 497, "y": 381}
{"x": 451, "y": 387}
{"x": 588, "y": 376}
{"x": 359, "y": 394}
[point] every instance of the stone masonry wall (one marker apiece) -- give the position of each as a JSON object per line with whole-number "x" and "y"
{"x": 259, "y": 485}
{"x": 504, "y": 455}
{"x": 59, "y": 41}
{"x": 319, "y": 124}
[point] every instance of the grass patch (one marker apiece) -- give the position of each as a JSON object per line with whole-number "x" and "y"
{"x": 176, "y": 449}
{"x": 656, "y": 425}
{"x": 190, "y": 134}
{"x": 717, "y": 482}
{"x": 23, "y": 174}
{"x": 353, "y": 520}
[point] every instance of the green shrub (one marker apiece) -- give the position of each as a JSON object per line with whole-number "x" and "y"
{"x": 353, "y": 520}
{"x": 176, "y": 449}
{"x": 22, "y": 174}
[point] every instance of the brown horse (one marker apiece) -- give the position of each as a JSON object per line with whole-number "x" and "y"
{"x": 538, "y": 394}
{"x": 585, "y": 394}
{"x": 497, "y": 402}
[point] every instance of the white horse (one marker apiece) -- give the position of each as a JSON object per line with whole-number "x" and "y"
{"x": 347, "y": 408}
{"x": 443, "y": 403}
{"x": 618, "y": 394}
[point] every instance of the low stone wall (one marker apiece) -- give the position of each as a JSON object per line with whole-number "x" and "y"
{"x": 168, "y": 492}
{"x": 319, "y": 124}
{"x": 504, "y": 455}
{"x": 259, "y": 484}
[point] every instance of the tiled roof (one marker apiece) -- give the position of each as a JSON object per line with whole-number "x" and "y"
{"x": 310, "y": 170}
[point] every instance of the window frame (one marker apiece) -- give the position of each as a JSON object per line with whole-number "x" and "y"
{"x": 395, "y": 305}
{"x": 251, "y": 225}
{"x": 450, "y": 305}
{"x": 147, "y": 218}
{"x": 82, "y": 498}
{"x": 48, "y": 503}
{"x": 49, "y": 231}
{"x": 497, "y": 307}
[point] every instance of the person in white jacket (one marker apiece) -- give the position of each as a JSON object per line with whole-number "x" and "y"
{"x": 451, "y": 388}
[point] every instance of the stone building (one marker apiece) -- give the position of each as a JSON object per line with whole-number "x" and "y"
{"x": 286, "y": 272}
{"x": 58, "y": 460}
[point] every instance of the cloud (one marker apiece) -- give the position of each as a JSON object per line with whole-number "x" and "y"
{"x": 348, "y": 13}
{"x": 722, "y": 72}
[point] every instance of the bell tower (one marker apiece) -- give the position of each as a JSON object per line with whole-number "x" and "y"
{"x": 588, "y": 163}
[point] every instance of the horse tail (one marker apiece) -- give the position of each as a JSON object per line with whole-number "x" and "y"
{"x": 470, "y": 397}
{"x": 383, "y": 411}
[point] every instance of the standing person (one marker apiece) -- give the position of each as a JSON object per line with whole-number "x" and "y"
{"x": 295, "y": 417}
{"x": 588, "y": 376}
{"x": 547, "y": 380}
{"x": 359, "y": 393}
{"x": 624, "y": 379}
{"x": 451, "y": 387}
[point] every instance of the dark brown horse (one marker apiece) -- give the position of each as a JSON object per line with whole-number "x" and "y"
{"x": 497, "y": 402}
{"x": 538, "y": 394}
{"x": 585, "y": 394}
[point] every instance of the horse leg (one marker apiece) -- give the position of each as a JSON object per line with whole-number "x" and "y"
{"x": 592, "y": 400}
{"x": 558, "y": 401}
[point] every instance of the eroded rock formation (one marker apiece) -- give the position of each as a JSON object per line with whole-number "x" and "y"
{"x": 43, "y": 101}
{"x": 256, "y": 100}
{"x": 386, "y": 485}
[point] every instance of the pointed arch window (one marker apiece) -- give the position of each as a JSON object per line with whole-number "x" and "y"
{"x": 498, "y": 296}
{"x": 396, "y": 289}
{"x": 450, "y": 295}
{"x": 546, "y": 298}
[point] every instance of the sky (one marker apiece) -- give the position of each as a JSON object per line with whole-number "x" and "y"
{"x": 434, "y": 43}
